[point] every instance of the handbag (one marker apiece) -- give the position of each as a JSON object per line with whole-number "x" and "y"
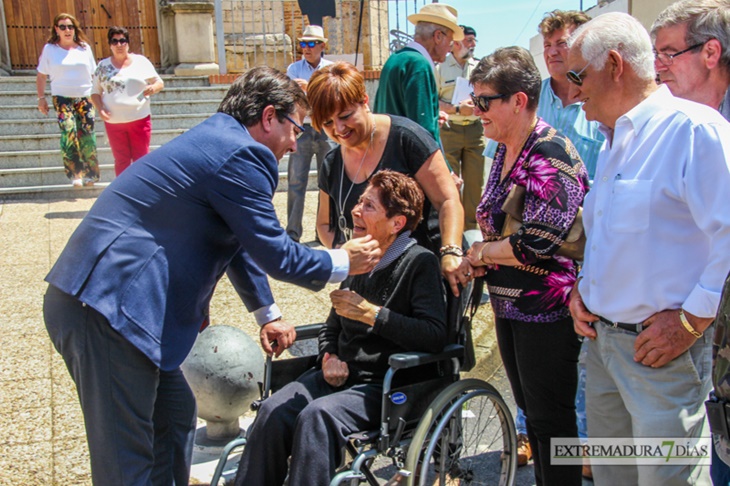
{"x": 574, "y": 244}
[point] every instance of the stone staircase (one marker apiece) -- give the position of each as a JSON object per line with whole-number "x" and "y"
{"x": 30, "y": 157}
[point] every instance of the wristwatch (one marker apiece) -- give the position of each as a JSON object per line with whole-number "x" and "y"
{"x": 457, "y": 109}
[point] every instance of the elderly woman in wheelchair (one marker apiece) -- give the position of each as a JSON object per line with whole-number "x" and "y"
{"x": 400, "y": 306}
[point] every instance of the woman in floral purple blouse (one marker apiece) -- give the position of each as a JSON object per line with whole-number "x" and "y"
{"x": 529, "y": 284}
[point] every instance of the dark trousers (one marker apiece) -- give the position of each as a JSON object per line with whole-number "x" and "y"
{"x": 541, "y": 360}
{"x": 309, "y": 420}
{"x": 140, "y": 420}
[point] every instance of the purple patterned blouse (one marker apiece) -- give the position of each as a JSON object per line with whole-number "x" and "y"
{"x": 556, "y": 182}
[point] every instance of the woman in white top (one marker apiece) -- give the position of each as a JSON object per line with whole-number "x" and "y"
{"x": 123, "y": 84}
{"x": 69, "y": 62}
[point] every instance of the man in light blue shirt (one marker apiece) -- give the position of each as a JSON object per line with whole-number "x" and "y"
{"x": 311, "y": 143}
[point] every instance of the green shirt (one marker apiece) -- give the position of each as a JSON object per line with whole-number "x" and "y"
{"x": 408, "y": 88}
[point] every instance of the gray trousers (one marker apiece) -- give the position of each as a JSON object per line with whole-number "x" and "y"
{"x": 311, "y": 144}
{"x": 140, "y": 420}
{"x": 308, "y": 420}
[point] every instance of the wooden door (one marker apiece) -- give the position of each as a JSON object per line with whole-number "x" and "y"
{"x": 29, "y": 23}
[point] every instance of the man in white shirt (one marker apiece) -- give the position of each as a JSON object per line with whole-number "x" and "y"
{"x": 463, "y": 136}
{"x": 312, "y": 143}
{"x": 656, "y": 257}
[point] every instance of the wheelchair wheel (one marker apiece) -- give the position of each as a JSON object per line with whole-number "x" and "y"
{"x": 466, "y": 437}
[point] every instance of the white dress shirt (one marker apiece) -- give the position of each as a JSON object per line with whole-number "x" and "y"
{"x": 658, "y": 215}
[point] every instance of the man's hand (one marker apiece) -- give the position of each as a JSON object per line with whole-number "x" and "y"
{"x": 352, "y": 305}
{"x": 364, "y": 254}
{"x": 276, "y": 336}
{"x": 443, "y": 118}
{"x": 466, "y": 107}
{"x": 335, "y": 371}
{"x": 663, "y": 339}
{"x": 458, "y": 181}
{"x": 582, "y": 319}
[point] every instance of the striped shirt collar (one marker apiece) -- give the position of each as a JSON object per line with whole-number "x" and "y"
{"x": 395, "y": 250}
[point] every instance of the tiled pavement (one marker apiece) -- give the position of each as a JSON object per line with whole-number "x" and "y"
{"x": 42, "y": 440}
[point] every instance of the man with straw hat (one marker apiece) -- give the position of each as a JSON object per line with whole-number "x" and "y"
{"x": 311, "y": 143}
{"x": 408, "y": 83}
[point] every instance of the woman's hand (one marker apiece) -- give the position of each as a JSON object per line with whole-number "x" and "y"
{"x": 455, "y": 273}
{"x": 335, "y": 371}
{"x": 475, "y": 254}
{"x": 104, "y": 114}
{"x": 353, "y": 306}
{"x": 43, "y": 106}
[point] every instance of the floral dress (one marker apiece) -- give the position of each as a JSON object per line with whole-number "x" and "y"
{"x": 556, "y": 181}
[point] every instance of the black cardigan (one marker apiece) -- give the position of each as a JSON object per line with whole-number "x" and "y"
{"x": 413, "y": 316}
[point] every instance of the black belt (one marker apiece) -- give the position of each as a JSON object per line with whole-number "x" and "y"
{"x": 635, "y": 328}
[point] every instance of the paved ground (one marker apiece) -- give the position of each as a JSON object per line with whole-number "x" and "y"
{"x": 41, "y": 428}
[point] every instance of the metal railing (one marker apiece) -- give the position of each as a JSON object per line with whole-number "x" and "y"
{"x": 253, "y": 33}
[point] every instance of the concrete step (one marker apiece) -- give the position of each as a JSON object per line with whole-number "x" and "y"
{"x": 17, "y": 143}
{"x": 49, "y": 126}
{"x": 45, "y": 176}
{"x": 29, "y": 97}
{"x": 64, "y": 188}
{"x": 27, "y": 83}
{"x": 21, "y": 98}
{"x": 30, "y": 112}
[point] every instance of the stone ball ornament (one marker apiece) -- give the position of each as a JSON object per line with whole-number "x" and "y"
{"x": 223, "y": 369}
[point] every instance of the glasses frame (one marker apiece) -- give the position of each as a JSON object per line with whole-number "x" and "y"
{"x": 310, "y": 44}
{"x": 301, "y": 128}
{"x": 482, "y": 101}
{"x": 576, "y": 78}
{"x": 115, "y": 41}
{"x": 63, "y": 27}
{"x": 670, "y": 57}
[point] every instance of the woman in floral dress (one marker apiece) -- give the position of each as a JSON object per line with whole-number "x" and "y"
{"x": 528, "y": 283}
{"x": 69, "y": 62}
{"x": 123, "y": 84}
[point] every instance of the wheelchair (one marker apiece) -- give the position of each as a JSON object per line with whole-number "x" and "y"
{"x": 435, "y": 430}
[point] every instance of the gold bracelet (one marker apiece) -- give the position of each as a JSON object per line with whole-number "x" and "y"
{"x": 481, "y": 255}
{"x": 687, "y": 325}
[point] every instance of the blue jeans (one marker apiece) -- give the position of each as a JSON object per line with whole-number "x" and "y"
{"x": 580, "y": 401}
{"x": 310, "y": 144}
{"x": 719, "y": 469}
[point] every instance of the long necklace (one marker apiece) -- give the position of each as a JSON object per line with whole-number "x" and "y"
{"x": 341, "y": 220}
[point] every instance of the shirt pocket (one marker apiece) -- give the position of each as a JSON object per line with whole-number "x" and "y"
{"x": 630, "y": 206}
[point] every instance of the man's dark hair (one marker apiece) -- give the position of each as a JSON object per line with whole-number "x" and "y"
{"x": 258, "y": 88}
{"x": 116, "y": 31}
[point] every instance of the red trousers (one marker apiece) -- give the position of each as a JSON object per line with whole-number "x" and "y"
{"x": 129, "y": 141}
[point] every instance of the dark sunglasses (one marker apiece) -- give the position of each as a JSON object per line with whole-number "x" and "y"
{"x": 577, "y": 78}
{"x": 297, "y": 125}
{"x": 482, "y": 102}
{"x": 304, "y": 44}
{"x": 64, "y": 27}
{"x": 114, "y": 42}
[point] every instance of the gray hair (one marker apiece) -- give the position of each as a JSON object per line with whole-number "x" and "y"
{"x": 620, "y": 32}
{"x": 425, "y": 30}
{"x": 705, "y": 19}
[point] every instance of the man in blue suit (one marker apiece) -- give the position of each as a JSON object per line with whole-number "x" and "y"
{"x": 130, "y": 292}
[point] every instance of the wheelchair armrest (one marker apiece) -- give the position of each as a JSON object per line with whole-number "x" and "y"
{"x": 310, "y": 331}
{"x": 401, "y": 361}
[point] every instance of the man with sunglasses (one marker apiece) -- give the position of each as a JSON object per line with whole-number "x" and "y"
{"x": 131, "y": 290}
{"x": 658, "y": 231}
{"x": 312, "y": 143}
{"x": 692, "y": 57}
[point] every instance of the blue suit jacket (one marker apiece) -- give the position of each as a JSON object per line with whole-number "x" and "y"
{"x": 151, "y": 249}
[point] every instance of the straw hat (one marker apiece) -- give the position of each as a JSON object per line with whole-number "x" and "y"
{"x": 313, "y": 33}
{"x": 440, "y": 14}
